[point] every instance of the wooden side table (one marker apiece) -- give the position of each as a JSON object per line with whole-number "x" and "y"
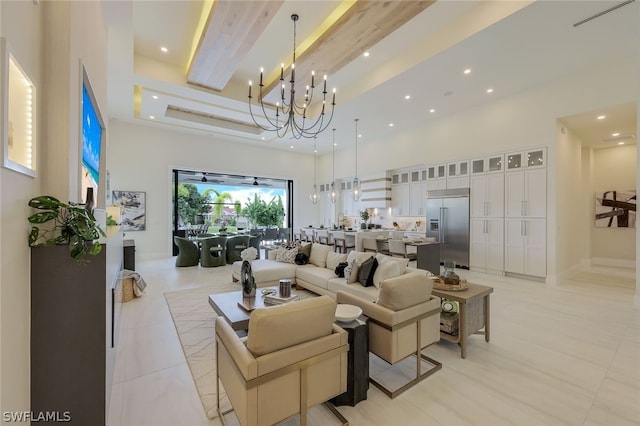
{"x": 357, "y": 364}
{"x": 474, "y": 313}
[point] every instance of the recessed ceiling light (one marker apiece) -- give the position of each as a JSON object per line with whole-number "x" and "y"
{"x": 365, "y": 54}
{"x": 407, "y": 97}
{"x": 152, "y": 117}
{"x": 155, "y": 96}
{"x": 291, "y": 147}
{"x": 315, "y": 150}
{"x": 489, "y": 90}
{"x": 390, "y": 124}
{"x": 601, "y": 117}
{"x": 263, "y": 138}
{"x": 615, "y": 134}
{"x": 620, "y": 143}
{"x": 335, "y": 144}
{"x": 467, "y": 71}
{"x": 164, "y": 49}
{"x": 432, "y": 110}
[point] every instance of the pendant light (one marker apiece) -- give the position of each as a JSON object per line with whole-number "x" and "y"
{"x": 355, "y": 186}
{"x": 314, "y": 195}
{"x": 332, "y": 192}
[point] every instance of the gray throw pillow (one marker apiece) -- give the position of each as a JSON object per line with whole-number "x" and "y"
{"x": 366, "y": 271}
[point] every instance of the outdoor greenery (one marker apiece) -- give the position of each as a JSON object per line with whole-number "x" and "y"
{"x": 58, "y": 223}
{"x": 261, "y": 213}
{"x": 191, "y": 202}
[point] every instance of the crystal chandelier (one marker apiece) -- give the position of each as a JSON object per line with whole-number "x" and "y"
{"x": 332, "y": 193}
{"x": 291, "y": 114}
{"x": 355, "y": 186}
{"x": 314, "y": 195}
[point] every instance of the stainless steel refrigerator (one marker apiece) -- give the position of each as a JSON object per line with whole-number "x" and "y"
{"x": 448, "y": 222}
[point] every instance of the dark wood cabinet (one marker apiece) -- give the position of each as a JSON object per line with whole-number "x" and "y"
{"x": 72, "y": 316}
{"x": 130, "y": 255}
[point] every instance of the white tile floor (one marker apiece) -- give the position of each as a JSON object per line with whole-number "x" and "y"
{"x": 565, "y": 354}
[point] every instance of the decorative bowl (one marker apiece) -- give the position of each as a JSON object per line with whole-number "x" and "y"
{"x": 347, "y": 313}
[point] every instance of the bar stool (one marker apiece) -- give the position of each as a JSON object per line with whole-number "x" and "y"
{"x": 342, "y": 244}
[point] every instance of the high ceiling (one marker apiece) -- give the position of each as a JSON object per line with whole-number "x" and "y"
{"x": 416, "y": 48}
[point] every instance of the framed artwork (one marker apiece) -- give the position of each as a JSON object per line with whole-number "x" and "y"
{"x": 133, "y": 205}
{"x": 616, "y": 209}
{"x": 17, "y": 114}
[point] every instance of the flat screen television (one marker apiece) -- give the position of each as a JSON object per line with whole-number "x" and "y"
{"x": 92, "y": 132}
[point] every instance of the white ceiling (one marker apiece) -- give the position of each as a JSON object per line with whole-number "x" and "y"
{"x": 509, "y": 45}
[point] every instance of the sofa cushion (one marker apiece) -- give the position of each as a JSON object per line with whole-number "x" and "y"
{"x": 319, "y": 254}
{"x": 402, "y": 262}
{"x": 405, "y": 290}
{"x": 314, "y": 275}
{"x": 333, "y": 259}
{"x": 366, "y": 271}
{"x": 280, "y": 327}
{"x": 267, "y": 270}
{"x": 385, "y": 270}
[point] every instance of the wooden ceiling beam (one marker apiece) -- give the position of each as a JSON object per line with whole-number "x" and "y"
{"x": 362, "y": 26}
{"x": 231, "y": 30}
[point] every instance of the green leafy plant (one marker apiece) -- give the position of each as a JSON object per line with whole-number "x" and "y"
{"x": 57, "y": 223}
{"x": 364, "y": 215}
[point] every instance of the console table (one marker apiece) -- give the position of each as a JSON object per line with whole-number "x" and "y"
{"x": 474, "y": 313}
{"x": 357, "y": 364}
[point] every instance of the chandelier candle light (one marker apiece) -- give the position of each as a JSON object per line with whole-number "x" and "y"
{"x": 295, "y": 114}
{"x": 356, "y": 182}
{"x": 314, "y": 194}
{"x": 332, "y": 193}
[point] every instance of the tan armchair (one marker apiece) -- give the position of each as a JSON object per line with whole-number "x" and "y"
{"x": 294, "y": 358}
{"x": 405, "y": 320}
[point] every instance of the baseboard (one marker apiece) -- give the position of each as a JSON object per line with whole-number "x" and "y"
{"x": 618, "y": 263}
{"x": 525, "y": 277}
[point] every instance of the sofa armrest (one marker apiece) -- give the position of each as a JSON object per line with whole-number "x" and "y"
{"x": 236, "y": 348}
{"x": 272, "y": 254}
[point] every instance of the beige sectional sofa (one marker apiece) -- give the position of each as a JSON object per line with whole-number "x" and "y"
{"x": 319, "y": 274}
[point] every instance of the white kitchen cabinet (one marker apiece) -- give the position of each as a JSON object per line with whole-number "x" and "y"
{"x": 526, "y": 193}
{"x": 487, "y": 195}
{"x": 401, "y": 200}
{"x": 525, "y": 247}
{"x": 458, "y": 175}
{"x": 491, "y": 164}
{"x": 486, "y": 245}
{"x": 418, "y": 198}
{"x": 529, "y": 159}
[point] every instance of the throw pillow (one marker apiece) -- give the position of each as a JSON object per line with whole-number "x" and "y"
{"x": 286, "y": 255}
{"x": 339, "y": 271}
{"x": 301, "y": 259}
{"x": 366, "y": 272}
{"x": 333, "y": 259}
{"x": 385, "y": 270}
{"x": 319, "y": 254}
{"x": 351, "y": 271}
{"x": 402, "y": 262}
{"x": 304, "y": 248}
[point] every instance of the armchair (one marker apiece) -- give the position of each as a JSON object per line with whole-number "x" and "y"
{"x": 235, "y": 245}
{"x": 294, "y": 358}
{"x": 188, "y": 252}
{"x": 405, "y": 320}
{"x": 213, "y": 251}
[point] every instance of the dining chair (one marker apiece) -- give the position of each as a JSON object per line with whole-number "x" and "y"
{"x": 188, "y": 252}
{"x": 213, "y": 252}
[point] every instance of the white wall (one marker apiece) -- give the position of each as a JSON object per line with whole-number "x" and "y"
{"x": 40, "y": 35}
{"x": 613, "y": 169}
{"x": 572, "y": 207}
{"x": 141, "y": 159}
{"x": 19, "y": 23}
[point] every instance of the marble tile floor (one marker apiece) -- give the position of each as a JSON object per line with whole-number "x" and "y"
{"x": 565, "y": 354}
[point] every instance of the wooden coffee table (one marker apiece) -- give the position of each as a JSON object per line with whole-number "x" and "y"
{"x": 474, "y": 313}
{"x": 226, "y": 305}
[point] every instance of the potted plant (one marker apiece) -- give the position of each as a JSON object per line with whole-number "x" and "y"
{"x": 58, "y": 223}
{"x": 364, "y": 215}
